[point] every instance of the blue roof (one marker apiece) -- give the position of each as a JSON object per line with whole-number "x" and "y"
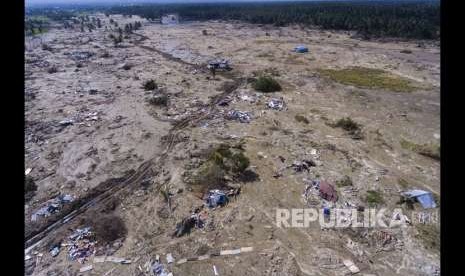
{"x": 301, "y": 48}
{"x": 424, "y": 197}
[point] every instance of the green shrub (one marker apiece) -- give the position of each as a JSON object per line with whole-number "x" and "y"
{"x": 373, "y": 198}
{"x": 266, "y": 84}
{"x": 352, "y": 127}
{"x": 345, "y": 181}
{"x": 150, "y": 85}
{"x": 221, "y": 161}
{"x": 301, "y": 119}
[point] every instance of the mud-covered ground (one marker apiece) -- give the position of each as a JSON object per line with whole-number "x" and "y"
{"x": 115, "y": 130}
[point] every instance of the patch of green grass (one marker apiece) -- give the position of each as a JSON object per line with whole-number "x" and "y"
{"x": 429, "y": 234}
{"x": 373, "y": 198}
{"x": 368, "y": 78}
{"x": 266, "y": 84}
{"x": 429, "y": 150}
{"x": 301, "y": 119}
{"x": 345, "y": 181}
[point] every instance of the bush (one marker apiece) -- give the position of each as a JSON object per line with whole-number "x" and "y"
{"x": 373, "y": 198}
{"x": 345, "y": 181}
{"x": 301, "y": 119}
{"x": 52, "y": 70}
{"x": 266, "y": 84}
{"x": 108, "y": 228}
{"x": 406, "y": 51}
{"x": 159, "y": 100}
{"x": 150, "y": 85}
{"x": 127, "y": 67}
{"x": 352, "y": 127}
{"x": 221, "y": 161}
{"x": 204, "y": 32}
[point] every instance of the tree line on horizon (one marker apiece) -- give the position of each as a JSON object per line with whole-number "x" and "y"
{"x": 414, "y": 20}
{"x": 418, "y": 20}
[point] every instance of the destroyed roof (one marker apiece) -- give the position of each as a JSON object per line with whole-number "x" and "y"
{"x": 424, "y": 197}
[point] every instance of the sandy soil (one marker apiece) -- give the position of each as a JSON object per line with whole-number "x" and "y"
{"x": 127, "y": 132}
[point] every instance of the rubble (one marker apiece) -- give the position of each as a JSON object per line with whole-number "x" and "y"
{"x": 241, "y": 116}
{"x": 158, "y": 269}
{"x": 55, "y": 251}
{"x": 195, "y": 220}
{"x": 216, "y": 198}
{"x": 79, "y": 55}
{"x": 277, "y": 104}
{"x": 82, "y": 245}
{"x": 300, "y": 166}
{"x": 86, "y": 268}
{"x": 52, "y": 206}
{"x": 351, "y": 266}
{"x": 169, "y": 258}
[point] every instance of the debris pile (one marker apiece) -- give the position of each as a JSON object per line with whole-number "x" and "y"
{"x": 196, "y": 220}
{"x": 158, "y": 269}
{"x": 52, "y": 206}
{"x": 216, "y": 198}
{"x": 300, "y": 166}
{"x": 79, "y": 55}
{"x": 241, "y": 116}
{"x": 79, "y": 118}
{"x": 277, "y": 104}
{"x": 82, "y": 245}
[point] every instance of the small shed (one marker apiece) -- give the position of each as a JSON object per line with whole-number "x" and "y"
{"x": 301, "y": 49}
{"x": 327, "y": 191}
{"x": 424, "y": 197}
